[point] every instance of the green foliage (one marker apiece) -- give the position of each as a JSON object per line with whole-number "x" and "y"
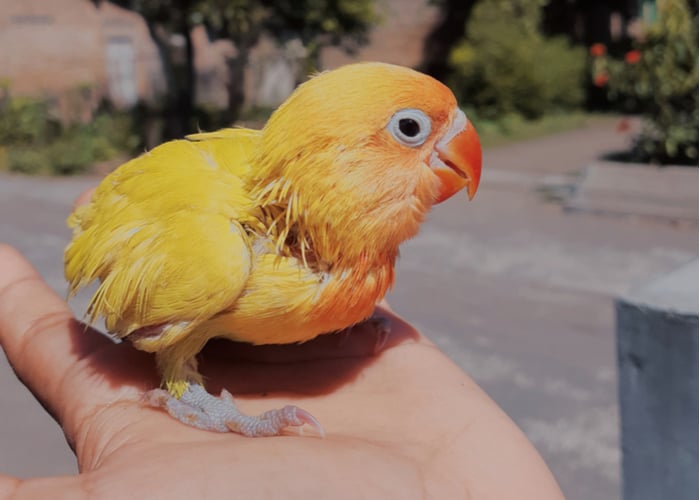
{"x": 506, "y": 66}
{"x": 33, "y": 141}
{"x": 323, "y": 22}
{"x": 24, "y": 120}
{"x": 27, "y": 160}
{"x": 659, "y": 78}
{"x": 338, "y": 20}
{"x": 316, "y": 23}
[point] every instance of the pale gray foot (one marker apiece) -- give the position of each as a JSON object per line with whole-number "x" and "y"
{"x": 200, "y": 409}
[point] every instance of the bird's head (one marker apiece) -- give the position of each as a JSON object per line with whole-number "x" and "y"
{"x": 369, "y": 141}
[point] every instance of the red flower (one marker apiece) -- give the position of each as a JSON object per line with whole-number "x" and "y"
{"x": 600, "y": 79}
{"x": 633, "y": 57}
{"x": 598, "y": 49}
{"x": 623, "y": 125}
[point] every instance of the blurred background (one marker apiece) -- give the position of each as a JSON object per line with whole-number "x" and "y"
{"x": 588, "y": 111}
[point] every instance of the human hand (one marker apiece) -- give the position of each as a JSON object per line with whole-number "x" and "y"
{"x": 403, "y": 422}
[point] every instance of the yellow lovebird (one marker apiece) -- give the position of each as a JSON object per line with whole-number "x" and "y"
{"x": 273, "y": 236}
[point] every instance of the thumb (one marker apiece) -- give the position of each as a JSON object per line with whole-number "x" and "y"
{"x": 13, "y": 488}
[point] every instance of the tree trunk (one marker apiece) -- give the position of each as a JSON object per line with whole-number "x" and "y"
{"x": 153, "y": 117}
{"x": 184, "y": 98}
{"x": 179, "y": 79}
{"x": 244, "y": 43}
{"x": 446, "y": 33}
{"x": 236, "y": 85}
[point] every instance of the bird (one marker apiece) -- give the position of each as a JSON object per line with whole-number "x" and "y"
{"x": 270, "y": 236}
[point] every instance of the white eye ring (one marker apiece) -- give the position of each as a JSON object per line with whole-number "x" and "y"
{"x": 411, "y": 127}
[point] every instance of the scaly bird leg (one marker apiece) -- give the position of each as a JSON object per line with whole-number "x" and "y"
{"x": 200, "y": 409}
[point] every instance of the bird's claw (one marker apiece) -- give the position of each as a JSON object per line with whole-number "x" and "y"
{"x": 272, "y": 422}
{"x": 200, "y": 409}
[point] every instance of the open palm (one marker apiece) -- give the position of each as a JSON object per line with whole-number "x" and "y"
{"x": 401, "y": 420}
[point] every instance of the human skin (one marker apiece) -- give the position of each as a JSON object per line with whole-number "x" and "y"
{"x": 401, "y": 420}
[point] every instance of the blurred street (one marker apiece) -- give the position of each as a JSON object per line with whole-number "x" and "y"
{"x": 514, "y": 288}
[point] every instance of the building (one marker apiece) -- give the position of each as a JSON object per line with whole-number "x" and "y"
{"x": 75, "y": 53}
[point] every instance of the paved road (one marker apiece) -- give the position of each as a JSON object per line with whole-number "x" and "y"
{"x": 516, "y": 290}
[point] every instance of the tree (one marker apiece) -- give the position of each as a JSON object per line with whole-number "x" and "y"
{"x": 317, "y": 23}
{"x": 506, "y": 66}
{"x": 164, "y": 18}
{"x": 446, "y": 33}
{"x": 343, "y": 23}
{"x": 659, "y": 79}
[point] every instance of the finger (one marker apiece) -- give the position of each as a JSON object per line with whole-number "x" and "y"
{"x": 42, "y": 340}
{"x": 84, "y": 198}
{"x": 9, "y": 486}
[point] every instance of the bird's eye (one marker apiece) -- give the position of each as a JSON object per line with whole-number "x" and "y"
{"x": 411, "y": 127}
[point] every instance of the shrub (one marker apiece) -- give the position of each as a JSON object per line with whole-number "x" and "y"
{"x": 659, "y": 78}
{"x": 28, "y": 160}
{"x": 24, "y": 120}
{"x": 505, "y": 65}
{"x": 75, "y": 152}
{"x": 32, "y": 141}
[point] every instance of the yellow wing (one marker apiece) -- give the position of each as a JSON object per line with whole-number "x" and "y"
{"x": 165, "y": 235}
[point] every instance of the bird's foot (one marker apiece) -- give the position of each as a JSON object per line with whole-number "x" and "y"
{"x": 200, "y": 409}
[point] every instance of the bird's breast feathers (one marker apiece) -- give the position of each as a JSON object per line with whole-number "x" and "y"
{"x": 285, "y": 300}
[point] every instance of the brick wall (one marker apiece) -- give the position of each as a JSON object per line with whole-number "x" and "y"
{"x": 58, "y": 49}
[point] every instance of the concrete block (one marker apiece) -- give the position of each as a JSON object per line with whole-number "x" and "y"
{"x": 657, "y": 343}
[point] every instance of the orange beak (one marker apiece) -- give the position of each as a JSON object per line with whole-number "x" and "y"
{"x": 457, "y": 162}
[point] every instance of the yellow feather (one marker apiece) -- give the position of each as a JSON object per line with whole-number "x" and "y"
{"x": 271, "y": 236}
{"x": 164, "y": 235}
